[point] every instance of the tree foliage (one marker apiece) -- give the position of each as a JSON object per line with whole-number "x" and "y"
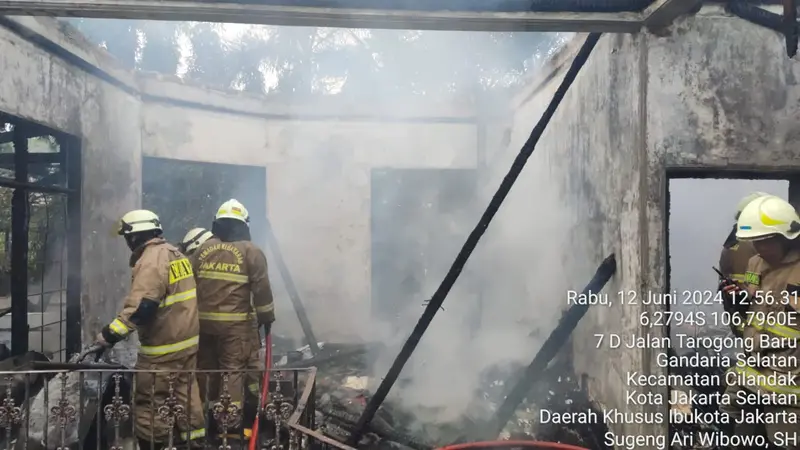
{"x": 46, "y": 219}
{"x": 301, "y": 61}
{"x": 297, "y": 62}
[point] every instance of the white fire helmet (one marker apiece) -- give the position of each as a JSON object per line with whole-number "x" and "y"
{"x": 233, "y": 209}
{"x": 746, "y": 201}
{"x": 768, "y": 216}
{"x": 194, "y": 239}
{"x": 138, "y": 221}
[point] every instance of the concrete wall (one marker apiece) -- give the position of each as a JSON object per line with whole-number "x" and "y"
{"x": 45, "y": 88}
{"x": 318, "y": 158}
{"x": 712, "y": 92}
{"x": 586, "y": 177}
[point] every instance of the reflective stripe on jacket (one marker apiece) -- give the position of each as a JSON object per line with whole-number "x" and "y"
{"x": 232, "y": 283}
{"x": 772, "y": 324}
{"x": 161, "y": 274}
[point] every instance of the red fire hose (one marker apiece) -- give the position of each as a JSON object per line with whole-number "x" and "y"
{"x": 253, "y": 445}
{"x": 511, "y": 444}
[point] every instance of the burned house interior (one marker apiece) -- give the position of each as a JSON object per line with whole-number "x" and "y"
{"x": 425, "y": 243}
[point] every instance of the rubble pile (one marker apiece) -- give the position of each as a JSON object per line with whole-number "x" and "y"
{"x": 558, "y": 391}
{"x": 342, "y": 393}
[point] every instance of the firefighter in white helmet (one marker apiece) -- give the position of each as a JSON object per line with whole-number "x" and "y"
{"x": 763, "y": 381}
{"x": 736, "y": 254}
{"x": 162, "y": 307}
{"x": 234, "y": 299}
{"x": 193, "y": 240}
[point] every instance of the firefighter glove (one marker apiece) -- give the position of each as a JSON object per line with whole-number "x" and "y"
{"x": 267, "y": 329}
{"x": 101, "y": 341}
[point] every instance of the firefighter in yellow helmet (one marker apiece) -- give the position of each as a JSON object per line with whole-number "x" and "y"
{"x": 764, "y": 380}
{"x": 193, "y": 240}
{"x": 736, "y": 254}
{"x": 234, "y": 298}
{"x": 162, "y": 307}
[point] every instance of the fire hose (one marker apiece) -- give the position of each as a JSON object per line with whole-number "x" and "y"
{"x": 253, "y": 444}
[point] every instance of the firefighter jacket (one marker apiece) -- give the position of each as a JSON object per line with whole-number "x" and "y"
{"x": 771, "y": 326}
{"x": 161, "y": 305}
{"x": 228, "y": 274}
{"x": 735, "y": 257}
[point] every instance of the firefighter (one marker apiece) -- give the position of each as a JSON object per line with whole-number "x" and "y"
{"x": 736, "y": 254}
{"x": 162, "y": 307}
{"x": 234, "y": 299}
{"x": 193, "y": 240}
{"x": 768, "y": 299}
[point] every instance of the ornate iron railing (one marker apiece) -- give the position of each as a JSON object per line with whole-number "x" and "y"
{"x": 78, "y": 406}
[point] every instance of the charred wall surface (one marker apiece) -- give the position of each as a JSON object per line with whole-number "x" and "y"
{"x": 722, "y": 95}
{"x": 318, "y": 158}
{"x": 713, "y": 92}
{"x": 584, "y": 185}
{"x": 44, "y": 87}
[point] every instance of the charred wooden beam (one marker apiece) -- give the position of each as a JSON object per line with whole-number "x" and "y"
{"x": 790, "y": 27}
{"x": 319, "y": 16}
{"x": 474, "y": 237}
{"x": 558, "y": 337}
{"x": 291, "y": 289}
{"x": 661, "y": 13}
{"x": 785, "y": 24}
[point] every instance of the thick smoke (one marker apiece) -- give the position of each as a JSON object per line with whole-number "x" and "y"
{"x": 402, "y": 197}
{"x": 503, "y": 305}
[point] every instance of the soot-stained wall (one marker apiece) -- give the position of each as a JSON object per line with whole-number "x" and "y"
{"x": 45, "y": 88}
{"x": 712, "y": 92}
{"x": 315, "y": 160}
{"x": 578, "y": 200}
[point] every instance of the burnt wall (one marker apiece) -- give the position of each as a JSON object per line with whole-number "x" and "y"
{"x": 712, "y": 92}
{"x": 43, "y": 86}
{"x": 577, "y": 201}
{"x": 317, "y": 157}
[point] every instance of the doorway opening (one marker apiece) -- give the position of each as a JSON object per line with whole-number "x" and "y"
{"x": 701, "y": 214}
{"x": 186, "y": 194}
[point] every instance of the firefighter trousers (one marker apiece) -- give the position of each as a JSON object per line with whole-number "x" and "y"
{"x": 781, "y": 435}
{"x": 160, "y": 397}
{"x": 235, "y": 354}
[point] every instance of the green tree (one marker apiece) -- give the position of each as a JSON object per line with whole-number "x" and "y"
{"x": 308, "y": 61}
{"x": 136, "y": 44}
{"x": 46, "y": 220}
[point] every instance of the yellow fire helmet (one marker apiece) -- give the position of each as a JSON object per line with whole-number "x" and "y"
{"x": 233, "y": 209}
